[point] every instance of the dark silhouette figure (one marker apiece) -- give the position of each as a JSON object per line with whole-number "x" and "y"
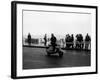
{"x": 29, "y": 39}
{"x": 87, "y": 41}
{"x": 53, "y": 41}
{"x": 45, "y": 40}
{"x": 87, "y": 38}
{"x": 79, "y": 41}
{"x": 69, "y": 40}
{"x": 72, "y": 41}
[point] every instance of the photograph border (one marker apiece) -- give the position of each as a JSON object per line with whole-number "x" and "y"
{"x": 14, "y": 37}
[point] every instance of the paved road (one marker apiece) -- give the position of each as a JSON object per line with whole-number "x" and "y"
{"x": 36, "y": 58}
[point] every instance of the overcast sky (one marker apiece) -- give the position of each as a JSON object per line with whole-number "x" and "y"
{"x": 39, "y": 23}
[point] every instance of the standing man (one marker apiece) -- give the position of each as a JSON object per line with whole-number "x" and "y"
{"x": 29, "y": 38}
{"x": 45, "y": 40}
{"x": 72, "y": 41}
{"x": 87, "y": 41}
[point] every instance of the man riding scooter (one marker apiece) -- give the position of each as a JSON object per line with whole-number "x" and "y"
{"x": 53, "y": 41}
{"x": 54, "y": 48}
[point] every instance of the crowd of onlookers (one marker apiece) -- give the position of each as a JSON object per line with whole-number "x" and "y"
{"x": 70, "y": 41}
{"x": 79, "y": 43}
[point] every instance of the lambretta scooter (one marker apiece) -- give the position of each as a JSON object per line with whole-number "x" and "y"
{"x": 57, "y": 50}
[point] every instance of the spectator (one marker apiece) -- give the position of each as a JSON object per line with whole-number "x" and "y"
{"x": 79, "y": 41}
{"x": 87, "y": 41}
{"x": 67, "y": 40}
{"x": 72, "y": 40}
{"x": 45, "y": 40}
{"x": 29, "y": 38}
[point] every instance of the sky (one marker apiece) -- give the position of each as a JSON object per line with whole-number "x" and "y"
{"x": 42, "y": 22}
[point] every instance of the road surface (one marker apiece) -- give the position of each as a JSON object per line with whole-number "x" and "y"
{"x": 36, "y": 58}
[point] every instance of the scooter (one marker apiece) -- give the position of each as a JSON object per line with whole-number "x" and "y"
{"x": 57, "y": 50}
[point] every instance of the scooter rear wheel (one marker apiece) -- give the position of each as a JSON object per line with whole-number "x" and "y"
{"x": 60, "y": 54}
